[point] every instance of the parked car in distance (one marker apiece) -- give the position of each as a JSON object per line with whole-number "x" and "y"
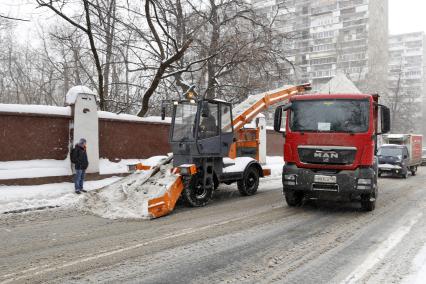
{"x": 423, "y": 156}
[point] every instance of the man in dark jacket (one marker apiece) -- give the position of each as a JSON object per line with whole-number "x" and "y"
{"x": 79, "y": 158}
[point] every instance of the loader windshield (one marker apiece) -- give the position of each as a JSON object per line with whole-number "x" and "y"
{"x": 337, "y": 115}
{"x": 184, "y": 122}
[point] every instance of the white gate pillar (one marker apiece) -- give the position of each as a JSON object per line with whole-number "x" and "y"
{"x": 85, "y": 113}
{"x": 261, "y": 125}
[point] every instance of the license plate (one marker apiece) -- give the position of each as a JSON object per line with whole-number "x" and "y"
{"x": 325, "y": 179}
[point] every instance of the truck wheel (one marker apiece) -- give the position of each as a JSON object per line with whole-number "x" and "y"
{"x": 367, "y": 204}
{"x": 293, "y": 198}
{"x": 250, "y": 182}
{"x": 194, "y": 193}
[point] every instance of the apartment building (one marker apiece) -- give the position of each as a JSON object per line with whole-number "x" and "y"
{"x": 407, "y": 81}
{"x": 324, "y": 37}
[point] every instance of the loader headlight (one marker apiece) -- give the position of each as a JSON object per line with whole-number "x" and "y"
{"x": 189, "y": 169}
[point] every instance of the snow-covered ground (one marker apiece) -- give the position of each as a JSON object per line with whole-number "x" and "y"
{"x": 54, "y": 194}
{"x": 34, "y": 169}
{"x": 62, "y": 194}
{"x": 418, "y": 268}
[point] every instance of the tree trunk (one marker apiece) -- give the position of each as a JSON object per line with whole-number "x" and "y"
{"x": 214, "y": 45}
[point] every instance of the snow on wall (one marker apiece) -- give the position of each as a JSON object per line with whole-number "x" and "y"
{"x": 37, "y": 109}
{"x": 129, "y": 117}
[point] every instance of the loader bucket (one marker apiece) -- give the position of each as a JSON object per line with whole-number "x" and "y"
{"x": 161, "y": 206}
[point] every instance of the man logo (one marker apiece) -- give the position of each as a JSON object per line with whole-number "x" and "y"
{"x": 326, "y": 156}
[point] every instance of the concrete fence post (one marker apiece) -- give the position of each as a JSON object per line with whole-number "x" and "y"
{"x": 261, "y": 124}
{"x": 85, "y": 122}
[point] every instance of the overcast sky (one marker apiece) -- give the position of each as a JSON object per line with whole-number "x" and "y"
{"x": 404, "y": 15}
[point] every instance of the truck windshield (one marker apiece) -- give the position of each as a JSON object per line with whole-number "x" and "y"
{"x": 339, "y": 115}
{"x": 389, "y": 152}
{"x": 184, "y": 122}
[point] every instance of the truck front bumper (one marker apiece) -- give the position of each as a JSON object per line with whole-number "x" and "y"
{"x": 343, "y": 185}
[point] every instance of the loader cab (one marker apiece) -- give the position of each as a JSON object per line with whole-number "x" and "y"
{"x": 200, "y": 129}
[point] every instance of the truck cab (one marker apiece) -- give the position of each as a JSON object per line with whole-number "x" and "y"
{"x": 330, "y": 147}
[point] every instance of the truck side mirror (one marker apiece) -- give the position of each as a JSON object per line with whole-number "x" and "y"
{"x": 278, "y": 117}
{"x": 385, "y": 119}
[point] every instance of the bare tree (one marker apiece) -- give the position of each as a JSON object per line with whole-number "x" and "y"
{"x": 57, "y": 7}
{"x": 402, "y": 103}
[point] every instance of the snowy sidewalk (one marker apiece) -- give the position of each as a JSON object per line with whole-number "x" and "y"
{"x": 14, "y": 198}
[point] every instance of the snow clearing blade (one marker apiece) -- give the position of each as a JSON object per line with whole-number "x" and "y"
{"x": 144, "y": 194}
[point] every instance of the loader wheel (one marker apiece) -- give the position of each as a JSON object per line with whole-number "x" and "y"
{"x": 250, "y": 182}
{"x": 293, "y": 198}
{"x": 194, "y": 193}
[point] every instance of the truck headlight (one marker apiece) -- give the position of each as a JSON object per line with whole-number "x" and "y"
{"x": 290, "y": 179}
{"x": 364, "y": 181}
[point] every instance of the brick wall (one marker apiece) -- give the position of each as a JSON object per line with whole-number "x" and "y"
{"x": 33, "y": 136}
{"x": 39, "y": 136}
{"x": 120, "y": 139}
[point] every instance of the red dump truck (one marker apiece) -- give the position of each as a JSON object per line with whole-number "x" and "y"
{"x": 330, "y": 147}
{"x": 400, "y": 154}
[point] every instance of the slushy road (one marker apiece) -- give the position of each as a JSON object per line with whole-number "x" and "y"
{"x": 257, "y": 239}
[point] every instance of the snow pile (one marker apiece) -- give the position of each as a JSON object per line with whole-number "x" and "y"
{"x": 107, "y": 167}
{"x": 34, "y": 169}
{"x": 128, "y": 198}
{"x": 339, "y": 84}
{"x": 72, "y": 94}
{"x": 36, "y": 196}
{"x": 38, "y": 109}
{"x": 275, "y": 163}
{"x": 251, "y": 100}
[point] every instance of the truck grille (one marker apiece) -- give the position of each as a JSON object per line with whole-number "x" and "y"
{"x": 333, "y": 155}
